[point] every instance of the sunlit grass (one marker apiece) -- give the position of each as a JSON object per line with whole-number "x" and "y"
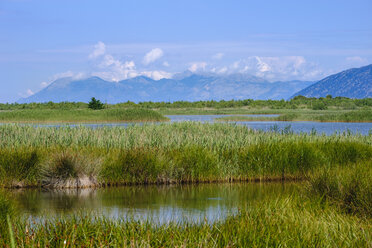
{"x": 169, "y": 153}
{"x": 81, "y": 115}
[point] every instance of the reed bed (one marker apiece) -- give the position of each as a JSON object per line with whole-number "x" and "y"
{"x": 349, "y": 188}
{"x": 168, "y": 153}
{"x": 280, "y": 222}
{"x": 81, "y": 115}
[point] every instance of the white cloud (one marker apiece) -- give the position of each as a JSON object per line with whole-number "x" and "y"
{"x": 357, "y": 59}
{"x": 112, "y": 69}
{"x": 222, "y": 70}
{"x": 26, "y": 94}
{"x": 115, "y": 70}
{"x": 44, "y": 84}
{"x": 197, "y": 66}
{"x": 166, "y": 64}
{"x": 261, "y": 65}
{"x": 99, "y": 49}
{"x": 278, "y": 68}
{"x": 152, "y": 56}
{"x": 73, "y": 75}
{"x": 157, "y": 75}
{"x": 218, "y": 56}
{"x": 29, "y": 92}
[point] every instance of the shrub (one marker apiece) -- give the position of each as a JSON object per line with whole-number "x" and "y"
{"x": 95, "y": 104}
{"x": 319, "y": 106}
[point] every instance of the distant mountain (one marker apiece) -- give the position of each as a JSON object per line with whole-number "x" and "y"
{"x": 184, "y": 86}
{"x": 352, "y": 83}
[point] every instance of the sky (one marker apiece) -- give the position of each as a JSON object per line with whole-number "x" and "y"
{"x": 43, "y": 40}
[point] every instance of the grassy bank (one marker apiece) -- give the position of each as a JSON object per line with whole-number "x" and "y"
{"x": 282, "y": 222}
{"x": 80, "y": 115}
{"x": 321, "y": 116}
{"x": 349, "y": 188}
{"x": 167, "y": 153}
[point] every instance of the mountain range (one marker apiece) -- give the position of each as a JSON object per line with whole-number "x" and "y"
{"x": 183, "y": 87}
{"x": 352, "y": 83}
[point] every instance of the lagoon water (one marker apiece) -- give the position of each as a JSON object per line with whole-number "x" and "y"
{"x": 327, "y": 128}
{"x": 160, "y": 204}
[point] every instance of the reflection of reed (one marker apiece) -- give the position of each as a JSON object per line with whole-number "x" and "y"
{"x": 165, "y": 202}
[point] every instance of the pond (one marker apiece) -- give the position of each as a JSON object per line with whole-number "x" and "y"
{"x": 160, "y": 204}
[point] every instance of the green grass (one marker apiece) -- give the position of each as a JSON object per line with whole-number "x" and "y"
{"x": 80, "y": 115}
{"x": 321, "y": 115}
{"x": 169, "y": 153}
{"x": 7, "y": 211}
{"x": 349, "y": 187}
{"x": 279, "y": 222}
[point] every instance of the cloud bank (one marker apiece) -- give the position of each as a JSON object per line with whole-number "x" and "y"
{"x": 113, "y": 69}
{"x": 123, "y": 65}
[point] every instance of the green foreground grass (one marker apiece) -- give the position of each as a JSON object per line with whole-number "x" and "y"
{"x": 168, "y": 153}
{"x": 80, "y": 115}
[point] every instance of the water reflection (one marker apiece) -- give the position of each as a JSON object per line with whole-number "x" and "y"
{"x": 160, "y": 203}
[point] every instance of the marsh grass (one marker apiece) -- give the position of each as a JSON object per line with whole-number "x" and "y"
{"x": 81, "y": 115}
{"x": 66, "y": 169}
{"x": 348, "y": 187}
{"x": 7, "y": 211}
{"x": 169, "y": 153}
{"x": 321, "y": 116}
{"x": 279, "y": 222}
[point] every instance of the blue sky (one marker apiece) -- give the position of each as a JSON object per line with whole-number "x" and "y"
{"x": 41, "y": 41}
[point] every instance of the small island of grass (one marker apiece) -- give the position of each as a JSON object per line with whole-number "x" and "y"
{"x": 81, "y": 115}
{"x": 321, "y": 116}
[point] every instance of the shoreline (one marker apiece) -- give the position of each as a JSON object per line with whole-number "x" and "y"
{"x": 98, "y": 185}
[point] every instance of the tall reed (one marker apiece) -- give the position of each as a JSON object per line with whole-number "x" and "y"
{"x": 170, "y": 153}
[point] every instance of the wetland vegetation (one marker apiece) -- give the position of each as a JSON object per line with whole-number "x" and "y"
{"x": 80, "y": 115}
{"x": 364, "y": 115}
{"x": 167, "y": 153}
{"x": 332, "y": 207}
{"x": 299, "y": 108}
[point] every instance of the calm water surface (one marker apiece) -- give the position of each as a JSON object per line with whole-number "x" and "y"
{"x": 327, "y": 128}
{"x": 160, "y": 204}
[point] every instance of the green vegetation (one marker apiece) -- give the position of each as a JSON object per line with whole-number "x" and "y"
{"x": 7, "y": 210}
{"x": 95, "y": 104}
{"x": 323, "y": 116}
{"x": 349, "y": 187}
{"x": 80, "y": 115}
{"x": 332, "y": 210}
{"x": 298, "y": 108}
{"x": 168, "y": 153}
{"x": 298, "y": 102}
{"x": 287, "y": 222}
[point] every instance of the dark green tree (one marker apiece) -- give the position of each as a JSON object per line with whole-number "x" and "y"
{"x": 95, "y": 104}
